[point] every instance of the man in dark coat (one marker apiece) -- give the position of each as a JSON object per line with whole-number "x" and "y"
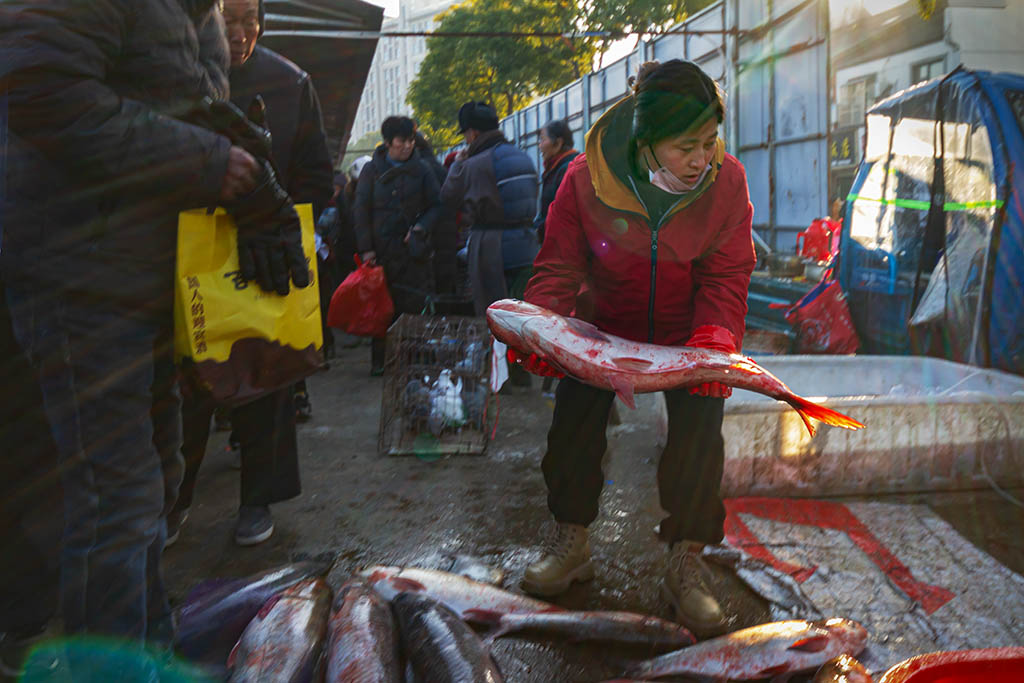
{"x": 265, "y": 428}
{"x": 397, "y": 207}
{"x": 494, "y": 184}
{"x": 99, "y": 168}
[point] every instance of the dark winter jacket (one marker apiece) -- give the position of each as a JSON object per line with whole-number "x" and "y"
{"x": 653, "y": 279}
{"x": 390, "y": 200}
{"x": 445, "y": 235}
{"x": 98, "y": 168}
{"x": 495, "y": 186}
{"x": 295, "y": 122}
{"x": 551, "y": 180}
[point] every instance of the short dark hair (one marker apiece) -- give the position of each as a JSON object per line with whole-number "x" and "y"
{"x": 559, "y": 130}
{"x": 671, "y": 98}
{"x": 397, "y": 127}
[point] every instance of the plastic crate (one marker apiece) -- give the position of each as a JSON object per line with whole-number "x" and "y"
{"x": 417, "y": 417}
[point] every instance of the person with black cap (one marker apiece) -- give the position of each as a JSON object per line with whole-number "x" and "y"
{"x": 265, "y": 428}
{"x": 495, "y": 185}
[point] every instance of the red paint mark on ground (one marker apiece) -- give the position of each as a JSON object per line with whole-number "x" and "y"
{"x": 824, "y": 515}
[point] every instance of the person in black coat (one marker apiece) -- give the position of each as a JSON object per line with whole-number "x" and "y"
{"x": 556, "y": 149}
{"x": 265, "y": 428}
{"x": 396, "y": 210}
{"x": 97, "y": 92}
{"x": 445, "y": 233}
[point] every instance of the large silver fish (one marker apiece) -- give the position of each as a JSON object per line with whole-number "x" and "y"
{"x": 216, "y": 612}
{"x": 363, "y": 641}
{"x": 765, "y": 651}
{"x": 285, "y": 640}
{"x": 440, "y": 646}
{"x": 626, "y": 367}
{"x": 472, "y": 600}
{"x": 613, "y": 627}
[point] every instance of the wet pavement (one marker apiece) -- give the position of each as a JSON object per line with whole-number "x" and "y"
{"x": 371, "y": 509}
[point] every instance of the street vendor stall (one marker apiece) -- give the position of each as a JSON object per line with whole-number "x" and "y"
{"x": 932, "y": 254}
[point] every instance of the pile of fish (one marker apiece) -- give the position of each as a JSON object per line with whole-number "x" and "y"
{"x": 626, "y": 367}
{"x": 404, "y": 624}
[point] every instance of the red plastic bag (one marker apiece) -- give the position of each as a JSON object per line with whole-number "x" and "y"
{"x": 361, "y": 305}
{"x": 823, "y": 321}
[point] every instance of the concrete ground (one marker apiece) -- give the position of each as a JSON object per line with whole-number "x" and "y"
{"x": 372, "y": 509}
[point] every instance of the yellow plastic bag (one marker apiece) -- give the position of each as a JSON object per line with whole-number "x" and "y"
{"x": 234, "y": 340}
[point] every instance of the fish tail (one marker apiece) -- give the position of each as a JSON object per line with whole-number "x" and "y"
{"x": 810, "y": 410}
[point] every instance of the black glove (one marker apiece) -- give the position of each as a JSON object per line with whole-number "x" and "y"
{"x": 250, "y": 133}
{"x": 269, "y": 236}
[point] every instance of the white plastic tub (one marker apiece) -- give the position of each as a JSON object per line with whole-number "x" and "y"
{"x": 932, "y": 425}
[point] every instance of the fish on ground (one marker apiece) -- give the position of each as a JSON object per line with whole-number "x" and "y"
{"x": 363, "y": 641}
{"x": 842, "y": 669}
{"x": 440, "y": 646}
{"x": 626, "y": 367}
{"x": 612, "y": 627}
{"x": 284, "y": 642}
{"x": 785, "y": 597}
{"x": 216, "y": 612}
{"x": 473, "y": 601}
{"x": 765, "y": 651}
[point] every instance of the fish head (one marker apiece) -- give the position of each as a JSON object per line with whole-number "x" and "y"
{"x": 851, "y": 633}
{"x": 506, "y": 318}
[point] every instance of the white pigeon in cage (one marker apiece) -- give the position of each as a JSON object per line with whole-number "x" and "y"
{"x": 446, "y": 408}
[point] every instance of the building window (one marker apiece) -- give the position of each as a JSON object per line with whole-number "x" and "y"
{"x": 855, "y": 98}
{"x": 926, "y": 71}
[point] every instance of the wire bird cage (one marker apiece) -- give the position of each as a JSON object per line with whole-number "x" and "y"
{"x": 437, "y": 393}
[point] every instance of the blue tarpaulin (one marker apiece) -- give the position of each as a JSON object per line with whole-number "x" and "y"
{"x": 933, "y": 237}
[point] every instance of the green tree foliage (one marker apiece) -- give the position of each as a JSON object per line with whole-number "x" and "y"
{"x": 506, "y": 72}
{"x": 510, "y": 72}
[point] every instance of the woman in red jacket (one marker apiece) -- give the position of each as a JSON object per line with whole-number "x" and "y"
{"x": 655, "y": 218}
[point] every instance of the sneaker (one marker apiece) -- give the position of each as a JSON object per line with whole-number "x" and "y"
{"x": 303, "y": 409}
{"x": 685, "y": 588}
{"x": 566, "y": 559}
{"x": 255, "y": 524}
{"x": 175, "y": 518}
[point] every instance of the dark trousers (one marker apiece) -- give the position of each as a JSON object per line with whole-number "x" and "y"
{"x": 102, "y": 364}
{"x": 689, "y": 472}
{"x": 31, "y": 498}
{"x": 266, "y": 431}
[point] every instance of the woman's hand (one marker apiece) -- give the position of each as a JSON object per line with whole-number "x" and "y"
{"x": 533, "y": 363}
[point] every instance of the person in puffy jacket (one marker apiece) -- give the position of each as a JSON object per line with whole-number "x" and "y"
{"x": 397, "y": 207}
{"x": 99, "y": 93}
{"x": 655, "y": 217}
{"x": 494, "y": 184}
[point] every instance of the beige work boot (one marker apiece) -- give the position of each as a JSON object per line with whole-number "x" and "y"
{"x": 566, "y": 559}
{"x": 685, "y": 588}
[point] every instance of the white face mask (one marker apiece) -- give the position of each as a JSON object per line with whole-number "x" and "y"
{"x": 666, "y": 180}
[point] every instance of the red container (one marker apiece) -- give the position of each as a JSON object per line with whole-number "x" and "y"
{"x": 817, "y": 239}
{"x": 996, "y": 665}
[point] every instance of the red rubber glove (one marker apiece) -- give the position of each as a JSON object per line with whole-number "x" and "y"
{"x": 533, "y": 363}
{"x": 717, "y": 339}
